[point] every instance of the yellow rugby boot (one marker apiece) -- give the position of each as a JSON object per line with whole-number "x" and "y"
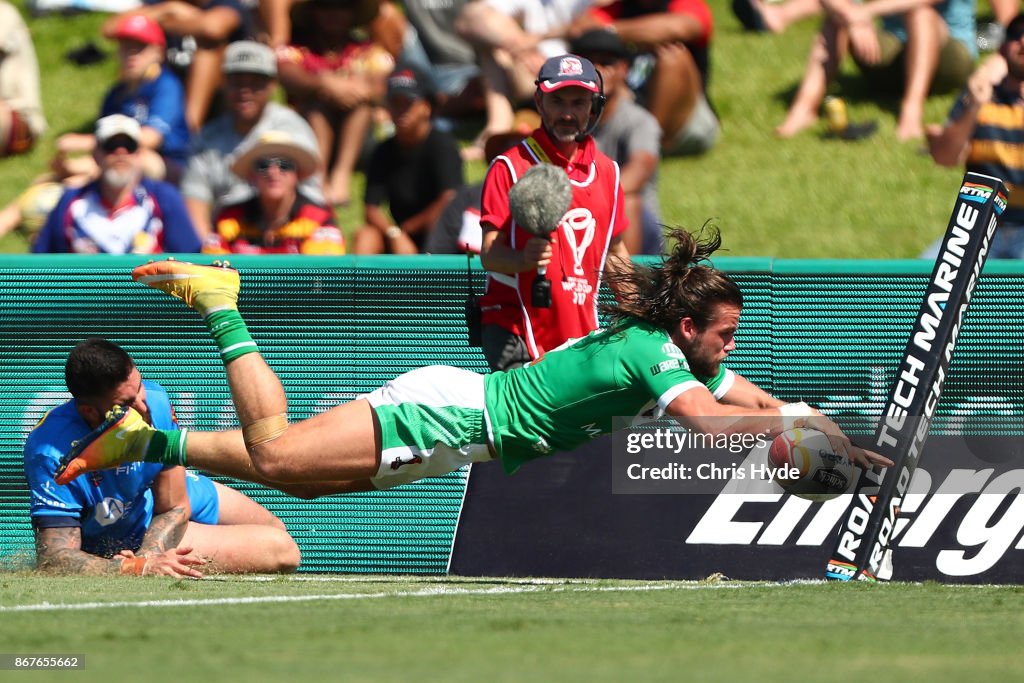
{"x": 206, "y": 289}
{"x": 123, "y": 436}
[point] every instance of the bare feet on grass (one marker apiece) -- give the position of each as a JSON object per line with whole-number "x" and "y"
{"x": 796, "y": 122}
{"x": 910, "y": 125}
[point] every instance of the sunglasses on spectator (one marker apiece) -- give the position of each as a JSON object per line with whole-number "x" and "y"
{"x": 250, "y": 82}
{"x": 120, "y": 142}
{"x": 285, "y": 165}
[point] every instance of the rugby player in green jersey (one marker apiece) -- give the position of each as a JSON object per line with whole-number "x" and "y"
{"x": 662, "y": 353}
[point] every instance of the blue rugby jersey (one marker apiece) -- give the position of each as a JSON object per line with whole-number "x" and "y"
{"x": 113, "y": 507}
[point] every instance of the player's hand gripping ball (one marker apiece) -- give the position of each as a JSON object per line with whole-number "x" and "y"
{"x": 806, "y": 465}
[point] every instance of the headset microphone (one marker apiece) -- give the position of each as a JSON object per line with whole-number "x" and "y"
{"x": 597, "y": 103}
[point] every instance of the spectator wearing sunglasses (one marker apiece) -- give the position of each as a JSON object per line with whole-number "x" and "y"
{"x": 121, "y": 212}
{"x": 279, "y": 218}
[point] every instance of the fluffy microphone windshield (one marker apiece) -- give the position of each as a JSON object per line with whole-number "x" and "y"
{"x": 540, "y": 198}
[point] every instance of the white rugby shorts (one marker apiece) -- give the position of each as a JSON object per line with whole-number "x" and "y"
{"x": 432, "y": 423}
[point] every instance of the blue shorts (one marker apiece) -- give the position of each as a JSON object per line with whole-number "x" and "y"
{"x": 202, "y": 496}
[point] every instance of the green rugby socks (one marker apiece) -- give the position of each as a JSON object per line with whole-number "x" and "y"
{"x": 231, "y": 334}
{"x": 166, "y": 446}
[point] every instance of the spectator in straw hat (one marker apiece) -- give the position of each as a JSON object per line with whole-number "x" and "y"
{"x": 279, "y": 219}
{"x": 250, "y": 76}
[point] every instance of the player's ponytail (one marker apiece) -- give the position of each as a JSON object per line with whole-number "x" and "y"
{"x": 683, "y": 285}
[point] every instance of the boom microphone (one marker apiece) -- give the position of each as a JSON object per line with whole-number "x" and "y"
{"x": 537, "y": 203}
{"x": 540, "y": 198}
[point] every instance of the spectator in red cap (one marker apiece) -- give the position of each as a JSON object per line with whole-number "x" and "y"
{"x": 197, "y": 33}
{"x": 146, "y": 90}
{"x": 139, "y": 28}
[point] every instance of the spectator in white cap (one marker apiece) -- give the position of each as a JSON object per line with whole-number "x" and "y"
{"x": 279, "y": 218}
{"x": 121, "y": 212}
{"x": 146, "y": 90}
{"x": 250, "y": 75}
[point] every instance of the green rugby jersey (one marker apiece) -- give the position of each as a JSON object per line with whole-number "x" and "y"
{"x": 570, "y": 395}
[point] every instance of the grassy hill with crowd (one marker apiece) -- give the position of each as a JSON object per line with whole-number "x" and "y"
{"x": 808, "y": 197}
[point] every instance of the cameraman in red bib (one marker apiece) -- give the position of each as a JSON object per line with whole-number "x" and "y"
{"x": 586, "y": 243}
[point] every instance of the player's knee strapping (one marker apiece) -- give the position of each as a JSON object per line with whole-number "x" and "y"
{"x": 264, "y": 430}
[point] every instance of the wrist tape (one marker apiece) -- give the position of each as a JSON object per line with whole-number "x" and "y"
{"x": 791, "y": 412}
{"x": 133, "y": 566}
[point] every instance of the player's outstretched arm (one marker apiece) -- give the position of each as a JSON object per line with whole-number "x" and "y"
{"x": 698, "y": 409}
{"x": 746, "y": 394}
{"x": 746, "y": 412}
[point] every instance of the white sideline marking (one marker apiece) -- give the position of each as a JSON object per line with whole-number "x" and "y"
{"x": 396, "y": 578}
{"x": 423, "y": 592}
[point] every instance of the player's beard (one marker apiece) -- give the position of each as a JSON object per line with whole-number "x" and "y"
{"x": 703, "y": 362}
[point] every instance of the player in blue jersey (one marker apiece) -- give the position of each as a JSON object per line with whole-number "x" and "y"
{"x": 139, "y": 518}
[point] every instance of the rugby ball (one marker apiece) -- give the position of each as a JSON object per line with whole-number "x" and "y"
{"x": 803, "y": 463}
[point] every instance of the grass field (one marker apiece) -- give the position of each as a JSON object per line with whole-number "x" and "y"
{"x": 434, "y": 629}
{"x": 806, "y": 197}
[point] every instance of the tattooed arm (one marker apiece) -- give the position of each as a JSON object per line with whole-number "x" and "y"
{"x": 59, "y": 551}
{"x": 171, "y": 511}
